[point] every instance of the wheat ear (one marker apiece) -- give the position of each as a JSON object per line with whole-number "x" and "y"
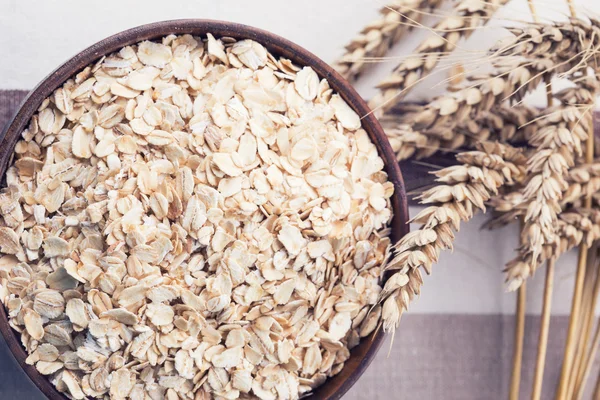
{"x": 555, "y": 146}
{"x": 467, "y": 16}
{"x": 395, "y": 19}
{"x": 462, "y": 189}
{"x": 513, "y": 81}
{"x": 559, "y": 40}
{"x": 575, "y": 226}
{"x": 512, "y": 78}
{"x": 502, "y": 123}
{"x": 408, "y": 143}
{"x": 584, "y": 181}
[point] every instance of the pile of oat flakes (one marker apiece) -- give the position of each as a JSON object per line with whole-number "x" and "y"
{"x": 193, "y": 219}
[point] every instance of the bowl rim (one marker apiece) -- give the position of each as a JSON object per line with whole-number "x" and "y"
{"x": 363, "y": 354}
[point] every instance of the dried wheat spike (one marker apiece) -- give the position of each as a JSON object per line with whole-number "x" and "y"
{"x": 572, "y": 115}
{"x": 504, "y": 124}
{"x": 512, "y": 78}
{"x": 462, "y": 189}
{"x": 574, "y": 226}
{"x": 407, "y": 143}
{"x": 560, "y": 40}
{"x": 584, "y": 181}
{"x": 508, "y": 207}
{"x": 515, "y": 79}
{"x": 421, "y": 131}
{"x": 396, "y": 18}
{"x": 556, "y": 143}
{"x": 467, "y": 16}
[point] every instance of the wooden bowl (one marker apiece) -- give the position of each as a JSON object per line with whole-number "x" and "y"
{"x": 363, "y": 354}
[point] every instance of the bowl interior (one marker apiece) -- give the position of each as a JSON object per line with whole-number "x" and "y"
{"x": 361, "y": 355}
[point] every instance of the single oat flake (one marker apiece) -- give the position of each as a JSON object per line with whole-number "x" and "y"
{"x": 193, "y": 218}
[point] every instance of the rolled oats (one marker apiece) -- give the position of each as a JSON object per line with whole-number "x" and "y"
{"x": 193, "y": 218}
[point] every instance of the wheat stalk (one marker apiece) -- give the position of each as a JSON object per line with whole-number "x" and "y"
{"x": 560, "y": 40}
{"x": 577, "y": 318}
{"x": 589, "y": 296}
{"x": 467, "y": 16}
{"x": 547, "y": 183}
{"x": 578, "y": 334}
{"x": 583, "y": 368}
{"x": 544, "y": 331}
{"x": 548, "y": 282}
{"x": 395, "y": 19}
{"x": 462, "y": 189}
